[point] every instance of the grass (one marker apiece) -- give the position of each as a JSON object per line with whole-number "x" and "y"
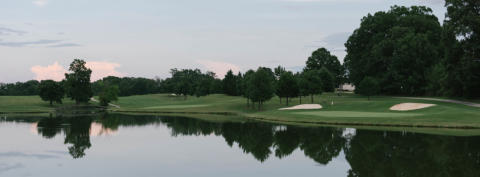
{"x": 348, "y": 109}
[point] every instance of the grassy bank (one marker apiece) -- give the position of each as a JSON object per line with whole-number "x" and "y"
{"x": 348, "y": 109}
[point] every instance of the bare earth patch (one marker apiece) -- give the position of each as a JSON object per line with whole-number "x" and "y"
{"x": 303, "y": 106}
{"x": 410, "y": 106}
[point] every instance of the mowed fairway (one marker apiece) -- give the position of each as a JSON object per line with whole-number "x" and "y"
{"x": 348, "y": 109}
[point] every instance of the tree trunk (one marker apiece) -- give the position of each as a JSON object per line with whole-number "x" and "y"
{"x": 259, "y": 105}
{"x": 287, "y": 101}
{"x": 300, "y": 99}
{"x": 311, "y": 97}
{"x": 280, "y": 100}
{"x": 248, "y": 103}
{"x": 51, "y": 102}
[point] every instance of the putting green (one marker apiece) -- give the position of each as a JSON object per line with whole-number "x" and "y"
{"x": 176, "y": 106}
{"x": 356, "y": 114}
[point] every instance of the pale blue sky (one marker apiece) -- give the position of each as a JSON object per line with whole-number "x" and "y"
{"x": 148, "y": 37}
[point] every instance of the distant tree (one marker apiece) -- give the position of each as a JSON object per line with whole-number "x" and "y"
{"x": 248, "y": 87}
{"x": 287, "y": 86}
{"x": 51, "y": 91}
{"x": 109, "y": 94}
{"x": 239, "y": 84}
{"x": 368, "y": 87}
{"x": 77, "y": 83}
{"x": 311, "y": 83}
{"x": 321, "y": 58}
{"x": 303, "y": 86}
{"x": 230, "y": 84}
{"x": 328, "y": 83}
{"x": 279, "y": 70}
{"x": 262, "y": 86}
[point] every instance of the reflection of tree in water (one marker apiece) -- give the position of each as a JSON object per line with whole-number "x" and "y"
{"x": 76, "y": 130}
{"x": 375, "y": 154}
{"x": 369, "y": 153}
{"x": 258, "y": 139}
{"x": 78, "y": 135}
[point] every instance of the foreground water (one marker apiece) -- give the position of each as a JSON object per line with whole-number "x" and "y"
{"x": 121, "y": 145}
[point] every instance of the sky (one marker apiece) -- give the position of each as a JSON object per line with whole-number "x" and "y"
{"x": 147, "y": 38}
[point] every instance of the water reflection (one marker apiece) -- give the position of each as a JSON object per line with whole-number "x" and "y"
{"x": 369, "y": 153}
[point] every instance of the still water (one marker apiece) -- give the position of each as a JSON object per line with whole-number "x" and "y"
{"x": 122, "y": 145}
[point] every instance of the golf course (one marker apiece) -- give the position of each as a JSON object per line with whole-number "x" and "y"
{"x": 348, "y": 109}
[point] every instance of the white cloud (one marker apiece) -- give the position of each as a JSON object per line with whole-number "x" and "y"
{"x": 100, "y": 69}
{"x": 40, "y": 3}
{"x": 53, "y": 72}
{"x": 219, "y": 68}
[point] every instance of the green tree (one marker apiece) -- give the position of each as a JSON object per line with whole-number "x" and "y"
{"x": 262, "y": 86}
{"x": 321, "y": 58}
{"x": 311, "y": 83}
{"x": 287, "y": 86}
{"x": 398, "y": 47}
{"x": 462, "y": 48}
{"x": 368, "y": 87}
{"x": 51, "y": 91}
{"x": 230, "y": 84}
{"x": 109, "y": 94}
{"x": 328, "y": 83}
{"x": 77, "y": 83}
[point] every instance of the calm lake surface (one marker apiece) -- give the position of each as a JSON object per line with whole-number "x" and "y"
{"x": 131, "y": 146}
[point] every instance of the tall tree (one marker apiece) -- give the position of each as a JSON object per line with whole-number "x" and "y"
{"x": 51, "y": 91}
{"x": 311, "y": 83}
{"x": 328, "y": 83}
{"x": 321, "y": 58}
{"x": 77, "y": 83}
{"x": 230, "y": 84}
{"x": 262, "y": 86}
{"x": 398, "y": 47}
{"x": 287, "y": 86}
{"x": 462, "y": 43}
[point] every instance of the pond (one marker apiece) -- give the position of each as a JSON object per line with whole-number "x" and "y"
{"x": 126, "y": 145}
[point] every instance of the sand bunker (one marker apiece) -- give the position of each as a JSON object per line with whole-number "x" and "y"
{"x": 410, "y": 106}
{"x": 303, "y": 106}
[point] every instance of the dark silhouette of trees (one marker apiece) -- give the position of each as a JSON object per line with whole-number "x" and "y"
{"x": 321, "y": 58}
{"x": 398, "y": 48}
{"x": 287, "y": 86}
{"x": 51, "y": 91}
{"x": 77, "y": 83}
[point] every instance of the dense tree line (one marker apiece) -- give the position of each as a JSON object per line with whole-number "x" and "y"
{"x": 407, "y": 51}
{"x": 20, "y": 88}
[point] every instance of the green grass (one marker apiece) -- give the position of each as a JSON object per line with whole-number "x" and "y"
{"x": 348, "y": 109}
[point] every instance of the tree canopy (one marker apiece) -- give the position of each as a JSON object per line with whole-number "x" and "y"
{"x": 77, "y": 83}
{"x": 398, "y": 47}
{"x": 51, "y": 91}
{"x": 321, "y": 58}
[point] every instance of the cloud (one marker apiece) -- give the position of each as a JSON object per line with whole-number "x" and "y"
{"x": 29, "y": 43}
{"x": 100, "y": 69}
{"x": 65, "y": 45}
{"x": 219, "y": 68}
{"x": 40, "y": 3}
{"x": 53, "y": 72}
{"x": 8, "y": 31}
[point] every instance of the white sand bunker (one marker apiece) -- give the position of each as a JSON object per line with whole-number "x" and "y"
{"x": 410, "y": 106}
{"x": 303, "y": 106}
